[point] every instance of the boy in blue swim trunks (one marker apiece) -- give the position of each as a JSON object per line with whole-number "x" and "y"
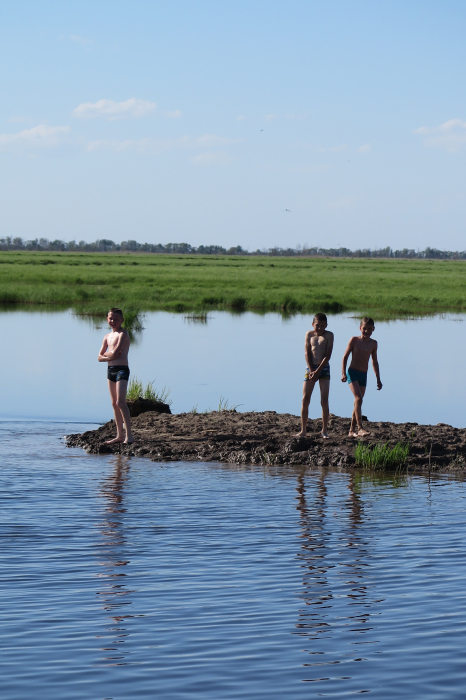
{"x": 318, "y": 346}
{"x": 114, "y": 350}
{"x": 361, "y": 348}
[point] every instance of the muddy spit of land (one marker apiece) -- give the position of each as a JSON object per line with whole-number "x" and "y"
{"x": 268, "y": 438}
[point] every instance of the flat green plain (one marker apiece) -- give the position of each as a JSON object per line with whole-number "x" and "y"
{"x": 92, "y": 282}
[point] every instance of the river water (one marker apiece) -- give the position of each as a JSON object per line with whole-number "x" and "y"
{"x": 123, "y": 578}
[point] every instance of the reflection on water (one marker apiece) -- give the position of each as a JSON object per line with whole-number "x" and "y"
{"x": 337, "y": 595}
{"x": 122, "y": 578}
{"x": 112, "y": 557}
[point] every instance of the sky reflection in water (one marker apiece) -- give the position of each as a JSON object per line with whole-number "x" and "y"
{"x": 257, "y": 362}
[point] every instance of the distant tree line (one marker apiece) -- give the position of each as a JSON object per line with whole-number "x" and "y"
{"x": 104, "y": 245}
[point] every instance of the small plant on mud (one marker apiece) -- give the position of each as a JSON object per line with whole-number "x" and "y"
{"x": 224, "y": 405}
{"x": 381, "y": 456}
{"x": 136, "y": 390}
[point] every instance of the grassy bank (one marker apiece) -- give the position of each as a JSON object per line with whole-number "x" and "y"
{"x": 91, "y": 282}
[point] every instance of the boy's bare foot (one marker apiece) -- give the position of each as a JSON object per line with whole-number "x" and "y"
{"x": 325, "y": 435}
{"x": 129, "y": 442}
{"x": 111, "y": 442}
{"x": 352, "y": 434}
{"x": 362, "y": 433}
{"x": 300, "y": 434}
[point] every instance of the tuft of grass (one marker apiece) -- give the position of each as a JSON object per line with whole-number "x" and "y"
{"x": 381, "y": 456}
{"x": 137, "y": 390}
{"x": 224, "y": 405}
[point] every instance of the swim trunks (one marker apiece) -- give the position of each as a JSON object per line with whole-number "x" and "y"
{"x": 354, "y": 375}
{"x": 116, "y": 373}
{"x": 324, "y": 372}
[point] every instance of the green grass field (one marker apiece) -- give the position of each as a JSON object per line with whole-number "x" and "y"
{"x": 91, "y": 282}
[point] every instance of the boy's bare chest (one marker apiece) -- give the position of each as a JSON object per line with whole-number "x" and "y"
{"x": 363, "y": 348}
{"x": 112, "y": 340}
{"x": 318, "y": 343}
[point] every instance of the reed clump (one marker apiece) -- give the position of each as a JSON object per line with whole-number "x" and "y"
{"x": 137, "y": 390}
{"x": 381, "y": 456}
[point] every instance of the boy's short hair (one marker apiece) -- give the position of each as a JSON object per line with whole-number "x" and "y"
{"x": 114, "y": 310}
{"x": 320, "y": 317}
{"x": 367, "y": 321}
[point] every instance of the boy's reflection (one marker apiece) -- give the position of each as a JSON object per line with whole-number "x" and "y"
{"x": 111, "y": 556}
{"x": 334, "y": 559}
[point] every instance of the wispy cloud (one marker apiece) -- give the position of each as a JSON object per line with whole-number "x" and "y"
{"x": 41, "y": 136}
{"x": 450, "y": 135}
{"x": 111, "y": 110}
{"x": 20, "y": 120}
{"x": 154, "y": 146}
{"x": 176, "y": 114}
{"x": 269, "y": 117}
{"x": 212, "y": 158}
{"x": 81, "y": 40}
{"x": 365, "y": 148}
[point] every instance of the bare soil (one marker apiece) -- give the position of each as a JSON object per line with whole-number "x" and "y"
{"x": 267, "y": 438}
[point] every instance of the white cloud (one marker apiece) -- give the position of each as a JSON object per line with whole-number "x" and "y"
{"x": 176, "y": 114}
{"x": 365, "y": 148}
{"x": 109, "y": 109}
{"x": 41, "y": 136}
{"x": 81, "y": 40}
{"x": 154, "y": 146}
{"x": 241, "y": 117}
{"x": 212, "y": 158}
{"x": 269, "y": 117}
{"x": 20, "y": 120}
{"x": 450, "y": 135}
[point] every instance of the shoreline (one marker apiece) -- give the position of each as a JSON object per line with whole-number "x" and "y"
{"x": 266, "y": 438}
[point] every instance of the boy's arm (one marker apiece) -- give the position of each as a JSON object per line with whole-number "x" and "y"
{"x": 117, "y": 349}
{"x": 375, "y": 365}
{"x": 102, "y": 357}
{"x": 348, "y": 352}
{"x": 307, "y": 351}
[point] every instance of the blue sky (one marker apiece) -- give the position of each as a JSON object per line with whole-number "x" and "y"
{"x": 204, "y": 121}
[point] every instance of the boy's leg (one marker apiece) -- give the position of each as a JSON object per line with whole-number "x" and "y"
{"x": 122, "y": 386}
{"x": 324, "y": 391}
{"x": 308, "y": 388}
{"x": 112, "y": 387}
{"x": 356, "y": 418}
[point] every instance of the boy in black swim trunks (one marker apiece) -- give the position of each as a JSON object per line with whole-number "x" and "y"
{"x": 318, "y": 346}
{"x": 361, "y": 348}
{"x": 114, "y": 350}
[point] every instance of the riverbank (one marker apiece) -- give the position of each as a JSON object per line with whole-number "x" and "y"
{"x": 267, "y": 438}
{"x": 91, "y": 283}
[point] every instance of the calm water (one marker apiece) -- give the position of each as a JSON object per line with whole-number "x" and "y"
{"x": 123, "y": 578}
{"x": 255, "y": 361}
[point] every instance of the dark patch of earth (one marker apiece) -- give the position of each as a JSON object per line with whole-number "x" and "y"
{"x": 267, "y": 438}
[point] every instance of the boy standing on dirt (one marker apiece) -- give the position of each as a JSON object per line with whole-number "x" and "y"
{"x": 114, "y": 350}
{"x": 361, "y": 348}
{"x": 318, "y": 346}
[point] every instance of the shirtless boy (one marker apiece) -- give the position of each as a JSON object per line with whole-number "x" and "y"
{"x": 318, "y": 346}
{"x": 114, "y": 350}
{"x": 361, "y": 348}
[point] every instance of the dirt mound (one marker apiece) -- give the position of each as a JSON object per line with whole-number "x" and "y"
{"x": 141, "y": 405}
{"x": 267, "y": 438}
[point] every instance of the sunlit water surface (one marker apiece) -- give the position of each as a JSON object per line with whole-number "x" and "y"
{"x": 121, "y": 578}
